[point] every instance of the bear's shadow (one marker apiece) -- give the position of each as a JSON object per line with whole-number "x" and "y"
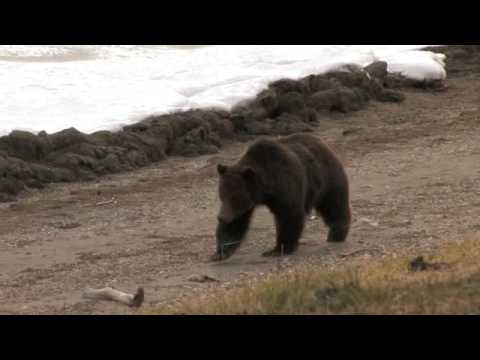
{"x": 307, "y": 248}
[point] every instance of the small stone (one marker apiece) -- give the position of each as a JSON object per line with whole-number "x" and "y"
{"x": 368, "y": 221}
{"x": 69, "y": 226}
{"x": 201, "y": 278}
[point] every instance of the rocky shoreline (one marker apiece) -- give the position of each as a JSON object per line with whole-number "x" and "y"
{"x": 286, "y": 106}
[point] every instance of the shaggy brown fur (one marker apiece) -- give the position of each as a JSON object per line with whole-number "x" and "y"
{"x": 291, "y": 176}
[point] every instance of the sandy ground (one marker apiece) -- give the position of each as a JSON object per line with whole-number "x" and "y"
{"x": 413, "y": 169}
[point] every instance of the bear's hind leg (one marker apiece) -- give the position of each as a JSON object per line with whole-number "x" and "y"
{"x": 336, "y": 215}
{"x": 338, "y": 232}
{"x": 289, "y": 229}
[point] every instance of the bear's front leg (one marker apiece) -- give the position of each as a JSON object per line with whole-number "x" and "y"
{"x": 230, "y": 236}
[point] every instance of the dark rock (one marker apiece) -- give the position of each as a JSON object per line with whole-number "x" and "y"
{"x": 391, "y": 96}
{"x": 62, "y": 175}
{"x": 350, "y": 77}
{"x": 10, "y": 186}
{"x": 136, "y": 158}
{"x": 19, "y": 169}
{"x": 34, "y": 183}
{"x": 42, "y": 173}
{"x": 377, "y": 69}
{"x": 196, "y": 142}
{"x": 111, "y": 163}
{"x": 316, "y": 83}
{"x": 290, "y": 102}
{"x": 268, "y": 100}
{"x": 24, "y": 145}
{"x": 4, "y": 166}
{"x": 4, "y": 197}
{"x": 283, "y": 86}
{"x": 419, "y": 264}
{"x": 85, "y": 175}
{"x": 72, "y": 161}
{"x": 341, "y": 99}
{"x": 201, "y": 278}
{"x": 68, "y": 226}
{"x": 67, "y": 137}
{"x": 288, "y": 124}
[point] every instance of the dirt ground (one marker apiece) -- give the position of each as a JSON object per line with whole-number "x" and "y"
{"x": 413, "y": 169}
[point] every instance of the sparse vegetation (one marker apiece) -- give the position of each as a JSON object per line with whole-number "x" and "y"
{"x": 386, "y": 287}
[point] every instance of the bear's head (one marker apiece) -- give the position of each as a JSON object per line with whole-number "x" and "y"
{"x": 236, "y": 191}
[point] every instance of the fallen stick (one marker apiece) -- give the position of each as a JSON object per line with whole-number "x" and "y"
{"x": 344, "y": 255}
{"x": 108, "y": 293}
{"x": 111, "y": 201}
{"x": 356, "y": 252}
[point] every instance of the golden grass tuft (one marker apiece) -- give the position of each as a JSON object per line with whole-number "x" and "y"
{"x": 380, "y": 287}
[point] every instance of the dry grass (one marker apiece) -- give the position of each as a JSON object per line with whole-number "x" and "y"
{"x": 386, "y": 287}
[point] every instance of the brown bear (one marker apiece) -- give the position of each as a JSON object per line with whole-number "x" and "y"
{"x": 291, "y": 176}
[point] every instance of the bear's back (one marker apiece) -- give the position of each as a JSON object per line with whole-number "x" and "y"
{"x": 293, "y": 152}
{"x": 271, "y": 157}
{"x": 314, "y": 146}
{"x": 292, "y": 147}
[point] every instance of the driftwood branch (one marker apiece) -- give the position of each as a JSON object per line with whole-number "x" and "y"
{"x": 359, "y": 251}
{"x": 108, "y": 202}
{"x": 108, "y": 293}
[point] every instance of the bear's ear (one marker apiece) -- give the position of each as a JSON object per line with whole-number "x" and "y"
{"x": 249, "y": 174}
{"x": 221, "y": 169}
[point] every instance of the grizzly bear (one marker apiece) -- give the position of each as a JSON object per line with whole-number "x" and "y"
{"x": 291, "y": 176}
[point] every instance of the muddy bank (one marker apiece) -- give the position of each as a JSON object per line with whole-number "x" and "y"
{"x": 286, "y": 106}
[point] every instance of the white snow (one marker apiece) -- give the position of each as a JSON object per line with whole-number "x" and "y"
{"x": 418, "y": 65}
{"x": 105, "y": 87}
